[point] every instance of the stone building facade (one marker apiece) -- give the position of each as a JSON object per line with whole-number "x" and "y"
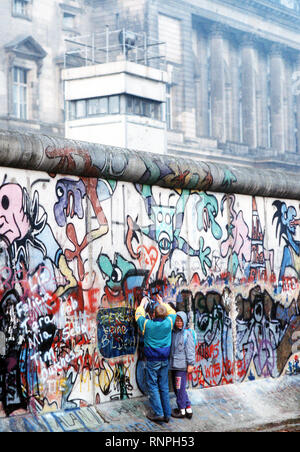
{"x": 31, "y": 57}
{"x": 233, "y": 67}
{"x": 235, "y": 72}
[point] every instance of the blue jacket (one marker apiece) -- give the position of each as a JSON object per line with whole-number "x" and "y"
{"x": 157, "y": 333}
{"x": 182, "y": 352}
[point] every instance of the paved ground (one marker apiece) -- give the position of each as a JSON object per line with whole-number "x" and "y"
{"x": 263, "y": 406}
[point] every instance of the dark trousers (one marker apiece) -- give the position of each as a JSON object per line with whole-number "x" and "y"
{"x": 179, "y": 384}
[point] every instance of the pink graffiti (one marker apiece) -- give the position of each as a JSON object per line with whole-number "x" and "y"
{"x": 238, "y": 239}
{"x": 14, "y": 223}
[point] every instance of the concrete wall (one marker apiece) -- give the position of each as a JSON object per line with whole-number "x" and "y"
{"x": 84, "y": 228}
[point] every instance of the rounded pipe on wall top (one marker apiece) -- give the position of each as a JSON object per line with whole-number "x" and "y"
{"x": 65, "y": 156}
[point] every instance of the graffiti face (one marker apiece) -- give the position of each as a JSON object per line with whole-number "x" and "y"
{"x": 286, "y": 227}
{"x": 115, "y": 272}
{"x": 14, "y": 222}
{"x": 286, "y": 219}
{"x": 288, "y": 215}
{"x": 70, "y": 194}
{"x": 207, "y": 210}
{"x": 164, "y": 227}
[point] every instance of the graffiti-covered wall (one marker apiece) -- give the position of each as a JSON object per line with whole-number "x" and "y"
{"x": 76, "y": 253}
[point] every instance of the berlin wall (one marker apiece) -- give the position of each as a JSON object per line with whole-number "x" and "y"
{"x": 84, "y": 228}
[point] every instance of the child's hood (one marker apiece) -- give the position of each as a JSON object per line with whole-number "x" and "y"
{"x": 183, "y": 317}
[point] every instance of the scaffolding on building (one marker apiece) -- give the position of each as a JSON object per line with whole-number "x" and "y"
{"x": 114, "y": 45}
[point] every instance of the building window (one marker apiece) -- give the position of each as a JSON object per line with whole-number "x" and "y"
{"x": 169, "y": 32}
{"x": 93, "y": 107}
{"x": 68, "y": 21}
{"x": 110, "y": 105}
{"x": 129, "y": 104}
{"x": 144, "y": 107}
{"x": 20, "y": 8}
{"x": 156, "y": 110}
{"x": 20, "y": 93}
{"x": 113, "y": 105}
{"x": 103, "y": 105}
{"x": 81, "y": 109}
{"x": 97, "y": 106}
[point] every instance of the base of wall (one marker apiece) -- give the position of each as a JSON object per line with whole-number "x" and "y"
{"x": 255, "y": 405}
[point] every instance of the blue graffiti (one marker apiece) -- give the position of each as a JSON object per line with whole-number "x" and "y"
{"x": 116, "y": 332}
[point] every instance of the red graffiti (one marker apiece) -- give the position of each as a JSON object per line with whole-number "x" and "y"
{"x": 147, "y": 257}
{"x": 91, "y": 190}
{"x": 289, "y": 283}
{"x": 204, "y": 351}
{"x": 67, "y": 162}
{"x": 70, "y": 255}
{"x": 93, "y": 300}
{"x": 212, "y": 371}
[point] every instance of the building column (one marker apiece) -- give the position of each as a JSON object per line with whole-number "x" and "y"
{"x": 198, "y": 101}
{"x": 296, "y": 93}
{"x": 289, "y": 118}
{"x": 262, "y": 100}
{"x": 277, "y": 101}
{"x": 248, "y": 55}
{"x": 218, "y": 99}
{"x": 189, "y": 101}
{"x": 235, "y": 115}
{"x": 201, "y": 85}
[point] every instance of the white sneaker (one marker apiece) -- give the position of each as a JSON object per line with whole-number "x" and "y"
{"x": 189, "y": 413}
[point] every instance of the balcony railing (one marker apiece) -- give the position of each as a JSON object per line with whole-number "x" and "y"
{"x": 114, "y": 45}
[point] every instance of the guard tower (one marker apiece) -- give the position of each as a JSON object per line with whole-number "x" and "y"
{"x": 115, "y": 90}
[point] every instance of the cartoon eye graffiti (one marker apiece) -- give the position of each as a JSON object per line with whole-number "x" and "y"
{"x": 116, "y": 275}
{"x": 168, "y": 219}
{"x": 5, "y": 202}
{"x": 59, "y": 192}
{"x": 159, "y": 217}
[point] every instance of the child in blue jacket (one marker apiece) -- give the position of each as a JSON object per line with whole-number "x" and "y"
{"x": 182, "y": 361}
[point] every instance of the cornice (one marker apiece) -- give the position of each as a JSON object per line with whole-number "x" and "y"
{"x": 276, "y": 12}
{"x": 231, "y": 25}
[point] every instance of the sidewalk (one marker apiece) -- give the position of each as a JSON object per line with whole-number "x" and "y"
{"x": 253, "y": 406}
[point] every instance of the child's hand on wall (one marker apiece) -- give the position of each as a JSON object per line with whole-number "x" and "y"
{"x": 190, "y": 369}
